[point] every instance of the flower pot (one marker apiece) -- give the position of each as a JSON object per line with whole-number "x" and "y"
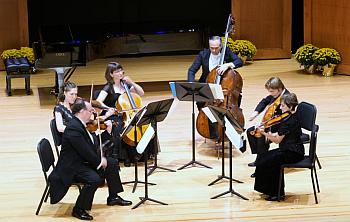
{"x": 243, "y": 58}
{"x": 328, "y": 69}
{"x": 310, "y": 69}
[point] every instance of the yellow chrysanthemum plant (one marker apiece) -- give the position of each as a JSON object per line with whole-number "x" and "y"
{"x": 243, "y": 48}
{"x": 24, "y": 52}
{"x": 304, "y": 57}
{"x": 326, "y": 59}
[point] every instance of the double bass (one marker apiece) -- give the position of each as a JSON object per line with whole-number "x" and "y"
{"x": 231, "y": 83}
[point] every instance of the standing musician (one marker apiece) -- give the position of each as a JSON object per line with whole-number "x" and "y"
{"x": 209, "y": 59}
{"x": 276, "y": 89}
{"x": 109, "y": 95}
{"x": 291, "y": 150}
{"x": 81, "y": 161}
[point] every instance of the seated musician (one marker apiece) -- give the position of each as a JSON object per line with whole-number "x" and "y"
{"x": 291, "y": 150}
{"x": 81, "y": 161}
{"x": 109, "y": 95}
{"x": 208, "y": 59}
{"x": 275, "y": 88}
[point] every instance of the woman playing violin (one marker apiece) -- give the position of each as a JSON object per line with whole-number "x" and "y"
{"x": 276, "y": 89}
{"x": 291, "y": 150}
{"x": 109, "y": 95}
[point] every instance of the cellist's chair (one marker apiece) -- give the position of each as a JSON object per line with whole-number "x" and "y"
{"x": 47, "y": 161}
{"x": 307, "y": 116}
{"x": 56, "y": 136}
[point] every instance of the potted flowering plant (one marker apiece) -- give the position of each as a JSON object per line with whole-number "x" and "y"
{"x": 304, "y": 57}
{"x": 327, "y": 59}
{"x": 243, "y": 48}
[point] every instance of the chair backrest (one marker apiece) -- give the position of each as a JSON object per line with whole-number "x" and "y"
{"x": 313, "y": 143}
{"x": 306, "y": 113}
{"x": 46, "y": 156}
{"x": 57, "y": 139}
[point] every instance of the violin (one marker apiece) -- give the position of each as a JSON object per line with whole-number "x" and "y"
{"x": 268, "y": 123}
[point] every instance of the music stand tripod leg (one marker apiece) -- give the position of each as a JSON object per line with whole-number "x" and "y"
{"x": 193, "y": 161}
{"x": 145, "y": 198}
{"x": 155, "y": 165}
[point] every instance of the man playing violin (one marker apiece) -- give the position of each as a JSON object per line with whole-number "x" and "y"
{"x": 81, "y": 161}
{"x": 276, "y": 89}
{"x": 291, "y": 150}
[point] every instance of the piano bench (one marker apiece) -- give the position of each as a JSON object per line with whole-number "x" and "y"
{"x": 11, "y": 75}
{"x": 17, "y": 68}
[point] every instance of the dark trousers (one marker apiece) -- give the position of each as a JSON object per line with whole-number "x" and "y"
{"x": 92, "y": 179}
{"x": 267, "y": 172}
{"x": 258, "y": 145}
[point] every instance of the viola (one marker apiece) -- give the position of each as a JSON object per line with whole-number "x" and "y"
{"x": 268, "y": 123}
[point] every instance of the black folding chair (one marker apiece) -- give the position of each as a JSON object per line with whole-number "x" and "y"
{"x": 47, "y": 161}
{"x": 308, "y": 113}
{"x": 56, "y": 136}
{"x": 308, "y": 121}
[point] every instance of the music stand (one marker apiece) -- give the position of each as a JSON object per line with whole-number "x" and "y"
{"x": 132, "y": 124}
{"x": 155, "y": 112}
{"x": 193, "y": 91}
{"x": 220, "y": 114}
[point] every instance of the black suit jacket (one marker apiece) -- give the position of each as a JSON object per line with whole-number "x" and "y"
{"x": 78, "y": 151}
{"x": 202, "y": 59}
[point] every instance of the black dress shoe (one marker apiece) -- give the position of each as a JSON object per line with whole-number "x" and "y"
{"x": 253, "y": 175}
{"x": 81, "y": 214}
{"x": 252, "y": 164}
{"x": 274, "y": 198}
{"x": 118, "y": 201}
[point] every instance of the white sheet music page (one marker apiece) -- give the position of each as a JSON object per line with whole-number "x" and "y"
{"x": 232, "y": 135}
{"x": 146, "y": 137}
{"x": 209, "y": 114}
{"x": 216, "y": 90}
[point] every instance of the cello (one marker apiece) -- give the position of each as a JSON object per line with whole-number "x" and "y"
{"x": 132, "y": 103}
{"x": 231, "y": 83}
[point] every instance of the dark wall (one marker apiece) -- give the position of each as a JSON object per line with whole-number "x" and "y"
{"x": 297, "y": 24}
{"x": 94, "y": 20}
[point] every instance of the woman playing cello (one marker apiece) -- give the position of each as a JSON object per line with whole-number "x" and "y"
{"x": 109, "y": 95}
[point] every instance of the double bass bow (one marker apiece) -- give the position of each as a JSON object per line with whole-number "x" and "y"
{"x": 231, "y": 83}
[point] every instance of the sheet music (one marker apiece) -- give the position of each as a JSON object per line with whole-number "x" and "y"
{"x": 232, "y": 135}
{"x": 209, "y": 114}
{"x": 146, "y": 137}
{"x": 137, "y": 115}
{"x": 216, "y": 90}
{"x": 173, "y": 89}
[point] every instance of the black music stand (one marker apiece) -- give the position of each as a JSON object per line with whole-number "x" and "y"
{"x": 155, "y": 112}
{"x": 193, "y": 91}
{"x": 131, "y": 125}
{"x": 220, "y": 114}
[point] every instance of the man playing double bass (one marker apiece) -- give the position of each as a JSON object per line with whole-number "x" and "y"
{"x": 208, "y": 59}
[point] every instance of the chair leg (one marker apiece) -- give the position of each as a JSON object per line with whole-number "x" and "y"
{"x": 280, "y": 184}
{"x": 313, "y": 185}
{"x": 318, "y": 162}
{"x": 42, "y": 199}
{"x": 318, "y": 187}
{"x": 47, "y": 196}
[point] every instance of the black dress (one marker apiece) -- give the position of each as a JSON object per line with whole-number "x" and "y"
{"x": 125, "y": 152}
{"x": 66, "y": 117}
{"x": 291, "y": 150}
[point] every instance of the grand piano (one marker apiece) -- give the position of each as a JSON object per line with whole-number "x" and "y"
{"x": 62, "y": 57}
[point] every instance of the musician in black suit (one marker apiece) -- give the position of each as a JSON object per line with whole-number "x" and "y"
{"x": 81, "y": 161}
{"x": 210, "y": 58}
{"x": 259, "y": 145}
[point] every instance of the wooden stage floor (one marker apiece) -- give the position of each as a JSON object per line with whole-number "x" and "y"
{"x": 186, "y": 191}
